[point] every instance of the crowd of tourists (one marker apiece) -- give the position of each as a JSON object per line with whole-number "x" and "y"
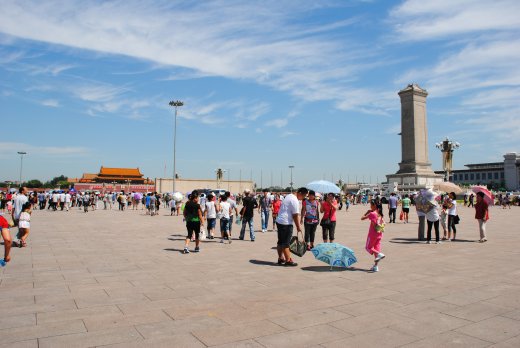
{"x": 305, "y": 209}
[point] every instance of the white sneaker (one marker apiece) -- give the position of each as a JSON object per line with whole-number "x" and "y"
{"x": 428, "y": 242}
{"x": 439, "y": 242}
{"x": 379, "y": 257}
{"x": 375, "y": 269}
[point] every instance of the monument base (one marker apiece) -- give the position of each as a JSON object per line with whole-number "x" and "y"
{"x": 414, "y": 181}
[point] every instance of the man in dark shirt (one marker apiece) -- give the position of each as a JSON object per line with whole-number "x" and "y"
{"x": 247, "y": 214}
{"x": 194, "y": 220}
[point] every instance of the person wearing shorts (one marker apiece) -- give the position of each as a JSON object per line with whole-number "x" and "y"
{"x": 289, "y": 213}
{"x": 6, "y": 236}
{"x": 406, "y": 207}
{"x": 194, "y": 220}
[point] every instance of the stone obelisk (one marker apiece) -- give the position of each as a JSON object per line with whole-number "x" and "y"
{"x": 415, "y": 168}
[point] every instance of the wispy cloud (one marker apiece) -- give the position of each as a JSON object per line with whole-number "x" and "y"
{"x": 9, "y": 148}
{"x": 98, "y": 92}
{"x": 237, "y": 40}
{"x": 278, "y": 123}
{"x": 418, "y": 20}
{"x": 51, "y": 103}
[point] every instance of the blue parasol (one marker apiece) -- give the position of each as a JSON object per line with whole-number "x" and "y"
{"x": 334, "y": 254}
{"x": 323, "y": 186}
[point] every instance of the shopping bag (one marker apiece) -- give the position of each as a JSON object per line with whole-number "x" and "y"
{"x": 401, "y": 216}
{"x": 297, "y": 246}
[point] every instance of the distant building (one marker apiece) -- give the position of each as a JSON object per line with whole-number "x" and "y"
{"x": 495, "y": 175}
{"x": 114, "y": 175}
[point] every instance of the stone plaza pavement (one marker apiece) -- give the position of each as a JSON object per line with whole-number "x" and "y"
{"x": 118, "y": 279}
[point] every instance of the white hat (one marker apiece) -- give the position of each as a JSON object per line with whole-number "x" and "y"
{"x": 247, "y": 190}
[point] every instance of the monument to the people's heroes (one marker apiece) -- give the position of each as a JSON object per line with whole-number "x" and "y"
{"x": 415, "y": 170}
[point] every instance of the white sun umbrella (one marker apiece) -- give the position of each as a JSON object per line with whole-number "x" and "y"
{"x": 323, "y": 186}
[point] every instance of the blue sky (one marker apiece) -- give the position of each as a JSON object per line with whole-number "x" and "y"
{"x": 265, "y": 85}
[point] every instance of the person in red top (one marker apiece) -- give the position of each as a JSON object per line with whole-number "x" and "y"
{"x": 6, "y": 235}
{"x": 328, "y": 209}
{"x": 277, "y": 203}
{"x": 482, "y": 215}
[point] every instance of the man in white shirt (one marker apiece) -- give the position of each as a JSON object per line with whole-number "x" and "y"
{"x": 289, "y": 213}
{"x": 18, "y": 203}
{"x": 62, "y": 200}
{"x": 67, "y": 200}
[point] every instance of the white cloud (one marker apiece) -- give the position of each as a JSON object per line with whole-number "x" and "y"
{"x": 98, "y": 92}
{"x": 9, "y": 148}
{"x": 51, "y": 103}
{"x": 238, "y": 40}
{"x": 419, "y": 20}
{"x": 278, "y": 123}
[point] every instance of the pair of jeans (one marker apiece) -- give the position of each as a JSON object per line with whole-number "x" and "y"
{"x": 224, "y": 227}
{"x": 251, "y": 228}
{"x": 265, "y": 219}
{"x": 392, "y": 214}
{"x": 230, "y": 222}
{"x": 434, "y": 224}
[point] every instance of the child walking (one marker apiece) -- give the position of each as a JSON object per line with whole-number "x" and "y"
{"x": 24, "y": 224}
{"x": 375, "y": 234}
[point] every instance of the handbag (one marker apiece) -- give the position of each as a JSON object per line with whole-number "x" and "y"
{"x": 380, "y": 226}
{"x": 401, "y": 216}
{"x": 297, "y": 247}
{"x": 326, "y": 222}
{"x": 456, "y": 219}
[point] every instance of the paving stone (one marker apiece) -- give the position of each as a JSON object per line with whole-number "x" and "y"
{"x": 104, "y": 321}
{"x": 370, "y": 322}
{"x": 307, "y": 337}
{"x": 72, "y": 314}
{"x": 369, "y": 306}
{"x": 180, "y": 340}
{"x": 21, "y": 344}
{"x": 510, "y": 343}
{"x": 426, "y": 324}
{"x": 169, "y": 328}
{"x": 321, "y": 316}
{"x": 448, "y": 339}
{"x": 7, "y": 322}
{"x": 227, "y": 334}
{"x": 478, "y": 311}
{"x": 383, "y": 338}
{"x": 494, "y": 329}
{"x": 91, "y": 339}
{"x": 39, "y": 331}
{"x": 240, "y": 344}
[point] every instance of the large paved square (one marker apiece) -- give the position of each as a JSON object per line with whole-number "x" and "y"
{"x": 110, "y": 278}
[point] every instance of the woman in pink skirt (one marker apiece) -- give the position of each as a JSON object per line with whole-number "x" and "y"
{"x": 375, "y": 234}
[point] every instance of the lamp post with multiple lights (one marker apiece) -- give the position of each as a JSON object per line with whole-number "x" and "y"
{"x": 291, "y": 183}
{"x": 447, "y": 147}
{"x": 176, "y": 104}
{"x": 21, "y": 153}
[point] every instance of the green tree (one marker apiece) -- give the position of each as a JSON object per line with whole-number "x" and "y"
{"x": 34, "y": 183}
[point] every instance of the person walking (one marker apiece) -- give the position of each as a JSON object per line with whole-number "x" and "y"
{"x": 452, "y": 213}
{"x": 374, "y": 237}
{"x": 194, "y": 220}
{"x": 277, "y": 203}
{"x": 6, "y": 236}
{"x": 224, "y": 212}
{"x": 233, "y": 212}
{"x": 247, "y": 213}
{"x": 392, "y": 207}
{"x": 471, "y": 200}
{"x": 265, "y": 206}
{"x": 310, "y": 218}
{"x": 328, "y": 209}
{"x": 24, "y": 225}
{"x": 482, "y": 216}
{"x": 289, "y": 213}
{"x": 210, "y": 214}
{"x": 406, "y": 207}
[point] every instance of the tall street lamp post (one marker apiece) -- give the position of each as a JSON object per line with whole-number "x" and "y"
{"x": 21, "y": 153}
{"x": 291, "y": 183}
{"x": 447, "y": 147}
{"x": 176, "y": 104}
